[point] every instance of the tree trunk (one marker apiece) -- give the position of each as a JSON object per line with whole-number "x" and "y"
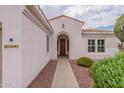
{"x": 122, "y": 46}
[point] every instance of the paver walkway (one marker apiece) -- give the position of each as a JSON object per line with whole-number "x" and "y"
{"x": 64, "y": 76}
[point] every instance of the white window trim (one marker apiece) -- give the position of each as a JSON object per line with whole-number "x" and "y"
{"x": 101, "y": 46}
{"x": 96, "y": 40}
{"x": 91, "y": 46}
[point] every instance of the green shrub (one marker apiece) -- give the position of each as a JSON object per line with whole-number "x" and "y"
{"x": 119, "y": 56}
{"x": 109, "y": 72}
{"x": 85, "y": 61}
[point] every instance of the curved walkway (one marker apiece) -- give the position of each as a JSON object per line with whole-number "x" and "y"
{"x": 64, "y": 76}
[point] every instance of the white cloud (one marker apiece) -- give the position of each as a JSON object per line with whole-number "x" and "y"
{"x": 94, "y": 16}
{"x": 53, "y": 10}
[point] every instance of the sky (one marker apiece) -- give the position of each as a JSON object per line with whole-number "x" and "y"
{"x": 98, "y": 17}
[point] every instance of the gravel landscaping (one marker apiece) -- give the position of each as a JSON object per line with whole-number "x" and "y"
{"x": 82, "y": 75}
{"x": 45, "y": 77}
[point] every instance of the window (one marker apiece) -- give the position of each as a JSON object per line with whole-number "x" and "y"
{"x": 47, "y": 37}
{"x": 101, "y": 45}
{"x": 67, "y": 45}
{"x": 63, "y": 25}
{"x": 91, "y": 45}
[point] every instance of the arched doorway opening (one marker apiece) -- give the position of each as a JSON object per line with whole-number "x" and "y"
{"x": 63, "y": 45}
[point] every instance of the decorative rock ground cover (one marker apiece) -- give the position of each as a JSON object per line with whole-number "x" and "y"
{"x": 82, "y": 75}
{"x": 45, "y": 77}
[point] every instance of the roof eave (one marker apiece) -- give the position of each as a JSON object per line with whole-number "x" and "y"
{"x": 67, "y": 17}
{"x": 42, "y": 20}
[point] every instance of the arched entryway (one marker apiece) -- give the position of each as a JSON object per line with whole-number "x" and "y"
{"x": 63, "y": 45}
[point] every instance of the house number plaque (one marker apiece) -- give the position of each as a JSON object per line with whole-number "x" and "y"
{"x": 11, "y": 46}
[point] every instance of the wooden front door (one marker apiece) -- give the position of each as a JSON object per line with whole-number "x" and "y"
{"x": 62, "y": 47}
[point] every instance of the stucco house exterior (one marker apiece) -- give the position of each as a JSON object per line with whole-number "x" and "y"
{"x": 92, "y": 43}
{"x": 29, "y": 41}
{"x": 25, "y": 32}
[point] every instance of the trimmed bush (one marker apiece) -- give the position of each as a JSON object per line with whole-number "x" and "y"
{"x": 109, "y": 72}
{"x": 85, "y": 61}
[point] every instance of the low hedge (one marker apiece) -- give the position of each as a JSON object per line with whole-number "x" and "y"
{"x": 109, "y": 72}
{"x": 85, "y": 61}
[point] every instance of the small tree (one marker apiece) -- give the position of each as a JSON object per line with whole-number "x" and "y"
{"x": 119, "y": 30}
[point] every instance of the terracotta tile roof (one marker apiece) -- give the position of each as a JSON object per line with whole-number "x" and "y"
{"x": 95, "y": 30}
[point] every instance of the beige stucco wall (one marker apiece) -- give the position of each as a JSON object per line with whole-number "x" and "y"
{"x": 111, "y": 46}
{"x": 21, "y": 65}
{"x": 73, "y": 30}
{"x": 11, "y": 19}
{"x": 34, "y": 54}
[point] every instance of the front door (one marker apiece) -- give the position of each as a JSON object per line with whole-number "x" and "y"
{"x": 62, "y": 47}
